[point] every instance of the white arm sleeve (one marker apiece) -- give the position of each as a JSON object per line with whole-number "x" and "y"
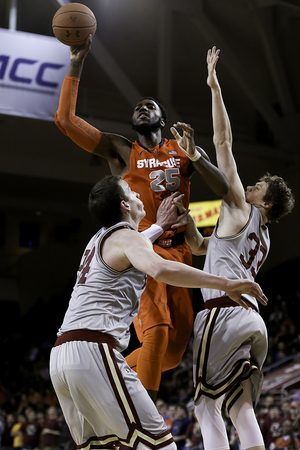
{"x": 153, "y": 232}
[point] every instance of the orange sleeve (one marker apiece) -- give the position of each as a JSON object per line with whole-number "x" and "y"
{"x": 81, "y": 132}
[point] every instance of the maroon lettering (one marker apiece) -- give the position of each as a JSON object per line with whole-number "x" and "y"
{"x": 85, "y": 266}
{"x": 252, "y": 253}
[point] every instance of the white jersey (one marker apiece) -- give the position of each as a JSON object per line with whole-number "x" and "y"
{"x": 239, "y": 256}
{"x": 104, "y": 299}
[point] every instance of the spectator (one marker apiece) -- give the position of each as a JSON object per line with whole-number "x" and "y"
{"x": 50, "y": 434}
{"x": 31, "y": 431}
{"x": 287, "y": 440}
{"x": 261, "y": 413}
{"x": 285, "y": 410}
{"x": 16, "y": 432}
{"x": 170, "y": 416}
{"x": 162, "y": 408}
{"x": 268, "y": 401}
{"x": 271, "y": 428}
{"x": 193, "y": 434}
{"x": 6, "y": 438}
{"x": 180, "y": 425}
{"x": 40, "y": 417}
{"x": 295, "y": 416}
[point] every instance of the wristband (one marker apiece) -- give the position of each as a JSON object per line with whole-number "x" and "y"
{"x": 153, "y": 232}
{"x": 194, "y": 157}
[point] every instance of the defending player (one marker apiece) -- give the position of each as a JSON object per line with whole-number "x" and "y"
{"x": 103, "y": 401}
{"x": 154, "y": 167}
{"x": 230, "y": 342}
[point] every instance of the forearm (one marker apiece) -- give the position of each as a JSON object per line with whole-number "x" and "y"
{"x": 221, "y": 122}
{"x": 177, "y": 274}
{"x": 213, "y": 177}
{"x": 82, "y": 133}
{"x": 140, "y": 253}
{"x": 75, "y": 69}
{"x": 193, "y": 237}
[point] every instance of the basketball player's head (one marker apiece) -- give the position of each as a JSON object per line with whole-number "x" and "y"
{"x": 279, "y": 195}
{"x": 104, "y": 200}
{"x": 272, "y": 195}
{"x": 148, "y": 116}
{"x": 111, "y": 200}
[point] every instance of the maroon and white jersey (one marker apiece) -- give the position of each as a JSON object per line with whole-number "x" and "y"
{"x": 239, "y": 256}
{"x": 104, "y": 299}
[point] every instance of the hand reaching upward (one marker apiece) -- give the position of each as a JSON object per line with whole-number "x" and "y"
{"x": 212, "y": 59}
{"x": 186, "y": 141}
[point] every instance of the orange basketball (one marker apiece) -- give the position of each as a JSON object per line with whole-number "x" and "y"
{"x": 72, "y": 23}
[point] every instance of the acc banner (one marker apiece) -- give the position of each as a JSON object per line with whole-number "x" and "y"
{"x": 205, "y": 214}
{"x": 32, "y": 68}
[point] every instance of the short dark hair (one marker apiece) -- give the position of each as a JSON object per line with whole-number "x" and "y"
{"x": 280, "y": 195}
{"x": 161, "y": 107}
{"x": 104, "y": 200}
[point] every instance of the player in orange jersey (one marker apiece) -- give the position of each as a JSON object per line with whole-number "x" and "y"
{"x": 154, "y": 167}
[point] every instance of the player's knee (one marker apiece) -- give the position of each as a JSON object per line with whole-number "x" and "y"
{"x": 156, "y": 339}
{"x": 173, "y": 355}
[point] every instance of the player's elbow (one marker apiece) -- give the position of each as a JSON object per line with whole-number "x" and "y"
{"x": 222, "y": 141}
{"x": 61, "y": 122}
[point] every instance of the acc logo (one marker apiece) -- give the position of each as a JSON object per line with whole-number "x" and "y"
{"x": 15, "y": 70}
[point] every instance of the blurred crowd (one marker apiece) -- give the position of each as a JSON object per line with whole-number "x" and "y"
{"x": 31, "y": 419}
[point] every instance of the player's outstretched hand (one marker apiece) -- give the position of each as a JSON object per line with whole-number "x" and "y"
{"x": 212, "y": 59}
{"x": 184, "y": 217}
{"x": 78, "y": 54}
{"x": 236, "y": 288}
{"x": 167, "y": 213}
{"x": 186, "y": 141}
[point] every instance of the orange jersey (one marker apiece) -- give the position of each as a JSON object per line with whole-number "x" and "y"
{"x": 155, "y": 174}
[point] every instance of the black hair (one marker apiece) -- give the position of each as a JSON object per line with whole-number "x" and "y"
{"x": 104, "y": 200}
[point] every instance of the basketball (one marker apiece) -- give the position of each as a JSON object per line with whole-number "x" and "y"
{"x": 72, "y": 23}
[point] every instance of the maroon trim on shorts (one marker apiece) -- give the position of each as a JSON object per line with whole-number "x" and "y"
{"x": 224, "y": 302}
{"x": 86, "y": 335}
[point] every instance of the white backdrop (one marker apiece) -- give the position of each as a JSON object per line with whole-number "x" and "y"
{"x": 32, "y": 68}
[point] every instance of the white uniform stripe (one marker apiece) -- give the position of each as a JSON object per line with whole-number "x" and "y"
{"x": 118, "y": 384}
{"x": 204, "y": 348}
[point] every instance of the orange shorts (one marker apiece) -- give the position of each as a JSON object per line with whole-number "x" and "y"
{"x": 164, "y": 304}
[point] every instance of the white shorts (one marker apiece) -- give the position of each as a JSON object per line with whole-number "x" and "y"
{"x": 230, "y": 345}
{"x": 103, "y": 401}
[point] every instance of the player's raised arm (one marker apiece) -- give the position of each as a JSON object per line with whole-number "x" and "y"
{"x": 222, "y": 133}
{"x": 115, "y": 148}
